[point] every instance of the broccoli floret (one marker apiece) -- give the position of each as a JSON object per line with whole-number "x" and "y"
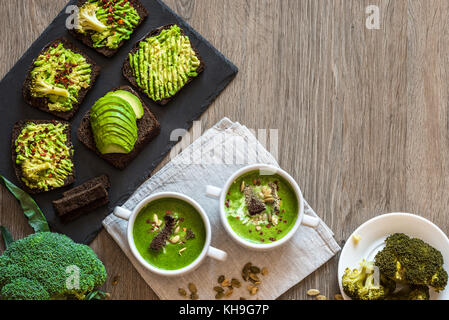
{"x": 41, "y": 88}
{"x": 411, "y": 293}
{"x": 24, "y": 289}
{"x": 87, "y": 19}
{"x": 39, "y": 267}
{"x": 419, "y": 293}
{"x": 360, "y": 284}
{"x": 412, "y": 261}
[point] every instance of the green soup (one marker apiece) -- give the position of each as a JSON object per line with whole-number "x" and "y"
{"x": 261, "y": 208}
{"x": 183, "y": 244}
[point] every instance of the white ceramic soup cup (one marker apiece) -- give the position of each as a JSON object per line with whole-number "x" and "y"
{"x": 208, "y": 250}
{"x": 264, "y": 170}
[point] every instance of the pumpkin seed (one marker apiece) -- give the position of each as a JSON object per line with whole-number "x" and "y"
{"x": 252, "y": 290}
{"x": 254, "y": 269}
{"x": 321, "y": 297}
{"x": 218, "y": 289}
{"x": 226, "y": 283}
{"x": 254, "y": 277}
{"x": 235, "y": 283}
{"x": 313, "y": 292}
{"x": 219, "y": 295}
{"x": 264, "y": 271}
{"x": 182, "y": 292}
{"x": 338, "y": 297}
{"x": 221, "y": 279}
{"x": 194, "y": 296}
{"x": 115, "y": 280}
{"x": 174, "y": 240}
{"x": 192, "y": 288}
{"x": 242, "y": 298}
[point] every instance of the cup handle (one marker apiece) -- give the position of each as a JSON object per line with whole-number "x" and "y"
{"x": 122, "y": 213}
{"x": 309, "y": 221}
{"x": 217, "y": 254}
{"x": 213, "y": 191}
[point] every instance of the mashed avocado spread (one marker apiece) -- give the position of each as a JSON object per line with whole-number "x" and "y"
{"x": 59, "y": 74}
{"x": 164, "y": 63}
{"x": 43, "y": 155}
{"x": 108, "y": 22}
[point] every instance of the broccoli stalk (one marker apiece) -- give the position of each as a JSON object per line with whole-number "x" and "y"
{"x": 87, "y": 19}
{"x": 360, "y": 284}
{"x": 41, "y": 88}
{"x": 39, "y": 266}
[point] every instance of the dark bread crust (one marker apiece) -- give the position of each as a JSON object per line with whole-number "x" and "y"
{"x": 83, "y": 199}
{"x": 147, "y": 128}
{"x": 17, "y": 129}
{"x": 103, "y": 180}
{"x": 86, "y": 39}
{"x": 42, "y": 102}
{"x": 72, "y": 207}
{"x": 127, "y": 72}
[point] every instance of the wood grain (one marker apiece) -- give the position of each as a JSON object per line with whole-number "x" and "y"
{"x": 362, "y": 114}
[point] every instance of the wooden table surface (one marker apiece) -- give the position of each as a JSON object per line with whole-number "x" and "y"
{"x": 362, "y": 114}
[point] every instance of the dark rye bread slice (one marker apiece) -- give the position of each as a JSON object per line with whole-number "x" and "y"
{"x": 17, "y": 129}
{"x": 103, "y": 180}
{"x": 86, "y": 39}
{"x": 42, "y": 102}
{"x": 147, "y": 129}
{"x": 127, "y": 72}
{"x": 71, "y": 207}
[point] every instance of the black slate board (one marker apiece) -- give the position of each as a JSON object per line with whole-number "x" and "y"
{"x": 179, "y": 113}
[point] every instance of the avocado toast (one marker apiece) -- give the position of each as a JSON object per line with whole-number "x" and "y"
{"x": 163, "y": 63}
{"x": 42, "y": 154}
{"x": 59, "y": 79}
{"x": 105, "y": 25}
{"x": 119, "y": 143}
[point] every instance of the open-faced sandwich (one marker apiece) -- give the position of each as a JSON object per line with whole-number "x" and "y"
{"x": 59, "y": 78}
{"x": 42, "y": 154}
{"x": 163, "y": 63}
{"x": 118, "y": 127}
{"x": 105, "y": 25}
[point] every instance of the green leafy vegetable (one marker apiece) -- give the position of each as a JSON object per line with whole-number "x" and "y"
{"x": 97, "y": 295}
{"x": 36, "y": 218}
{"x": 7, "y": 237}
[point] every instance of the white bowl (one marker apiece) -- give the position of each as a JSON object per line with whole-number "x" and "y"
{"x": 265, "y": 170}
{"x": 373, "y": 234}
{"x": 208, "y": 250}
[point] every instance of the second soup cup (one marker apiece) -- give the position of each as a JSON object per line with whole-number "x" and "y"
{"x": 276, "y": 203}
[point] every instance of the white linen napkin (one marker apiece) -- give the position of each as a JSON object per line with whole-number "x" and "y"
{"x": 287, "y": 266}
